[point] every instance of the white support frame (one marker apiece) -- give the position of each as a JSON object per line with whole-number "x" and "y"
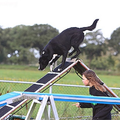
{"x": 43, "y": 108}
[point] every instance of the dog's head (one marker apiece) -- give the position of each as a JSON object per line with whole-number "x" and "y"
{"x": 43, "y": 60}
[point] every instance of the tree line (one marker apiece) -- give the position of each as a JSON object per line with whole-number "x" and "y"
{"x": 18, "y": 46}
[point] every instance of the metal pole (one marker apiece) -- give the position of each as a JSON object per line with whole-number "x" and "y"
{"x": 49, "y": 107}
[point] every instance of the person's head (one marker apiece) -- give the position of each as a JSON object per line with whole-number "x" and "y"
{"x": 91, "y": 79}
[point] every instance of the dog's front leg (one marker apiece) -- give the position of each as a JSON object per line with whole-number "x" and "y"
{"x": 63, "y": 61}
{"x": 54, "y": 60}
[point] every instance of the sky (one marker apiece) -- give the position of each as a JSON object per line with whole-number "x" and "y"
{"x": 61, "y": 14}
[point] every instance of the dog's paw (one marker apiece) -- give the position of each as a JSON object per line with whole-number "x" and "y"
{"x": 59, "y": 69}
{"x": 39, "y": 68}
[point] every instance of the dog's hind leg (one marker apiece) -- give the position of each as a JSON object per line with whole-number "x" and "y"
{"x": 71, "y": 52}
{"x": 77, "y": 53}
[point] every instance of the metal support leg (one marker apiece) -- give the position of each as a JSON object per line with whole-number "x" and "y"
{"x": 32, "y": 107}
{"x": 46, "y": 113}
{"x": 43, "y": 108}
{"x": 54, "y": 108}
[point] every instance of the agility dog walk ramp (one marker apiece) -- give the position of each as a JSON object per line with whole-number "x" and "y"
{"x": 50, "y": 78}
{"x": 42, "y": 83}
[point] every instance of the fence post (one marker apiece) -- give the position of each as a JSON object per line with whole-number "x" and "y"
{"x": 49, "y": 107}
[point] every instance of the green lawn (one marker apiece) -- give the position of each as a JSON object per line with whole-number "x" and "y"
{"x": 70, "y": 78}
{"x": 34, "y": 75}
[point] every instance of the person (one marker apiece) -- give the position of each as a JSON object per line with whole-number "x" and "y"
{"x": 100, "y": 111}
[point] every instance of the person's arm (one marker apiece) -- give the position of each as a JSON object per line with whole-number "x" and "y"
{"x": 83, "y": 105}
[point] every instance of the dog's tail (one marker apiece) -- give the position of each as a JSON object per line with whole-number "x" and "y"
{"x": 93, "y": 26}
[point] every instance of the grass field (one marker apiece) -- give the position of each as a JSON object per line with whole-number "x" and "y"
{"x": 30, "y": 73}
{"x": 33, "y": 75}
{"x": 26, "y": 73}
{"x": 71, "y": 78}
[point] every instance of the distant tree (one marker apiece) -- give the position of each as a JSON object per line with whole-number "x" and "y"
{"x": 3, "y": 46}
{"x": 114, "y": 41}
{"x": 24, "y": 57}
{"x": 110, "y": 61}
{"x": 22, "y": 38}
{"x": 94, "y": 45}
{"x": 38, "y": 36}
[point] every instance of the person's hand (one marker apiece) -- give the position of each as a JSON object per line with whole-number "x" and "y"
{"x": 77, "y": 105}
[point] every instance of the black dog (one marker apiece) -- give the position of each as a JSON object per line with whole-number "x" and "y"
{"x": 61, "y": 44}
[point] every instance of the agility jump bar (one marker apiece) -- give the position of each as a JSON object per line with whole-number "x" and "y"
{"x": 16, "y": 96}
{"x": 77, "y": 98}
